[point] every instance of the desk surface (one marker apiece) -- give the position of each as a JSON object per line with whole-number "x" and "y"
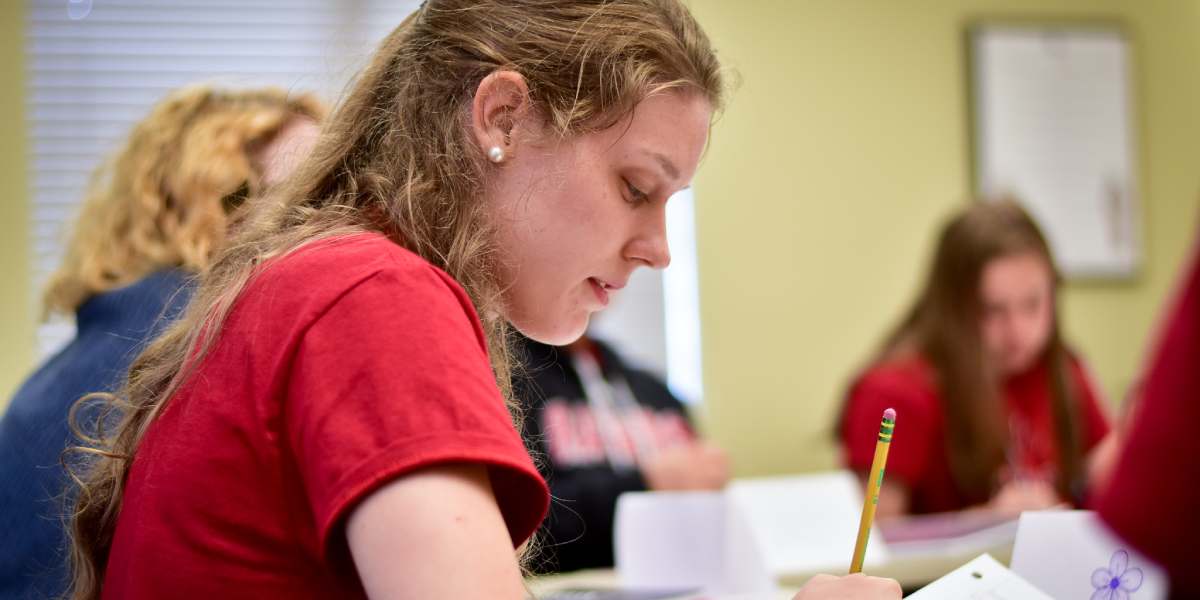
{"x": 606, "y": 579}
{"x": 915, "y": 571}
{"x": 912, "y": 572}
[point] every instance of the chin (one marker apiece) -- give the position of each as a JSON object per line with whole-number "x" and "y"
{"x": 555, "y": 333}
{"x": 1017, "y": 366}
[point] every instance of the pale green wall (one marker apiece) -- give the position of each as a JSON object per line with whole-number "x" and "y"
{"x": 845, "y": 146}
{"x": 16, "y": 306}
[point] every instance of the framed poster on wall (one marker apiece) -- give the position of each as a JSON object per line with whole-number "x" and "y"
{"x": 1053, "y": 126}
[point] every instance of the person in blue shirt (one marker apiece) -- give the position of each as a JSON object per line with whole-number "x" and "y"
{"x": 151, "y": 219}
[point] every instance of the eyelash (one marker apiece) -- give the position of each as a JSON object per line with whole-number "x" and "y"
{"x": 637, "y": 197}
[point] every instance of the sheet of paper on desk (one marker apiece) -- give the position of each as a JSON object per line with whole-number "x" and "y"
{"x": 670, "y": 540}
{"x": 980, "y": 579}
{"x": 744, "y": 540}
{"x": 1072, "y": 554}
{"x": 702, "y": 540}
{"x": 806, "y": 523}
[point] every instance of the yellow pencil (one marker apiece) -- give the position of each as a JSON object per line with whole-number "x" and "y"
{"x": 874, "y": 481}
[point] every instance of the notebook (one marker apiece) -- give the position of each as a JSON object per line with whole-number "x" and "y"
{"x": 981, "y": 579}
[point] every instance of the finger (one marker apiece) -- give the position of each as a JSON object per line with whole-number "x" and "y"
{"x": 889, "y": 586}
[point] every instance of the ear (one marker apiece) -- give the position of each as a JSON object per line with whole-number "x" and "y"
{"x": 500, "y": 107}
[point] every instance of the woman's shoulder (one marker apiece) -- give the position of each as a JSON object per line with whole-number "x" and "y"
{"x": 908, "y": 372}
{"x": 365, "y": 270}
{"x": 355, "y": 253}
{"x": 904, "y": 383}
{"x": 331, "y": 266}
{"x": 1082, "y": 376}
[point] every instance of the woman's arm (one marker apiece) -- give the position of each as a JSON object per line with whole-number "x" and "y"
{"x": 434, "y": 533}
{"x": 437, "y": 533}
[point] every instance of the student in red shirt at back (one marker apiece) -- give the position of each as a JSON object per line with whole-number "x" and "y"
{"x": 994, "y": 411}
{"x": 328, "y": 419}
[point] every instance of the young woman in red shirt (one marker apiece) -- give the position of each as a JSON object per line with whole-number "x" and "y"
{"x": 328, "y": 419}
{"x": 994, "y": 412}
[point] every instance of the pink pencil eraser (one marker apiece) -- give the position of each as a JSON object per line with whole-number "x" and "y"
{"x": 890, "y": 414}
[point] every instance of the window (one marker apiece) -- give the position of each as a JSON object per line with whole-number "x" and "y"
{"x": 95, "y": 68}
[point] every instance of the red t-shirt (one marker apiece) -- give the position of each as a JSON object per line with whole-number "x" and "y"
{"x": 342, "y": 366}
{"x": 918, "y": 455}
{"x": 1151, "y": 499}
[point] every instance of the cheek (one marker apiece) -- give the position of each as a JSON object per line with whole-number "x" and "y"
{"x": 541, "y": 230}
{"x": 992, "y": 330}
{"x": 567, "y": 213}
{"x": 1043, "y": 325}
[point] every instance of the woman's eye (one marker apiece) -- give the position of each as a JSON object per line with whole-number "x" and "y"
{"x": 636, "y": 196}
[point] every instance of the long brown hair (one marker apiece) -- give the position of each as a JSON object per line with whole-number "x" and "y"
{"x": 162, "y": 199}
{"x": 943, "y": 327}
{"x": 396, "y": 158}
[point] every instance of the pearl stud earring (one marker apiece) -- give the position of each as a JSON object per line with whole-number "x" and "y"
{"x": 496, "y": 154}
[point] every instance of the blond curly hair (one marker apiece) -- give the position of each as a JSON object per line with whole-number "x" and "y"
{"x": 164, "y": 199}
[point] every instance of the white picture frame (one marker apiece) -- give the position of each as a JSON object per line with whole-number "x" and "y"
{"x": 1052, "y": 117}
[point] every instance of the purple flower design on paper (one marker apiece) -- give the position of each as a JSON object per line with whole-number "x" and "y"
{"x": 1118, "y": 581}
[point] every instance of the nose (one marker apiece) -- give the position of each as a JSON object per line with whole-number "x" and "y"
{"x": 649, "y": 246}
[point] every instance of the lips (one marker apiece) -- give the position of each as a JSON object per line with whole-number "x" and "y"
{"x": 602, "y": 289}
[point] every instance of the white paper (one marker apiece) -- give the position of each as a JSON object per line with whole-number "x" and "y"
{"x": 1061, "y": 551}
{"x": 672, "y": 540}
{"x": 744, "y": 539}
{"x": 806, "y": 524}
{"x": 980, "y": 579}
{"x": 745, "y": 568}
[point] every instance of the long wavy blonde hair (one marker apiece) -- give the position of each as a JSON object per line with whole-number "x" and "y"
{"x": 163, "y": 199}
{"x": 396, "y": 158}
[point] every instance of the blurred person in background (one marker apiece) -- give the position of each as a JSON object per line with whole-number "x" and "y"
{"x": 602, "y": 427}
{"x": 151, "y": 218}
{"x": 995, "y": 413}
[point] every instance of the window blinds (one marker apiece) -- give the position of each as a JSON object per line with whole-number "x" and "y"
{"x": 94, "y": 68}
